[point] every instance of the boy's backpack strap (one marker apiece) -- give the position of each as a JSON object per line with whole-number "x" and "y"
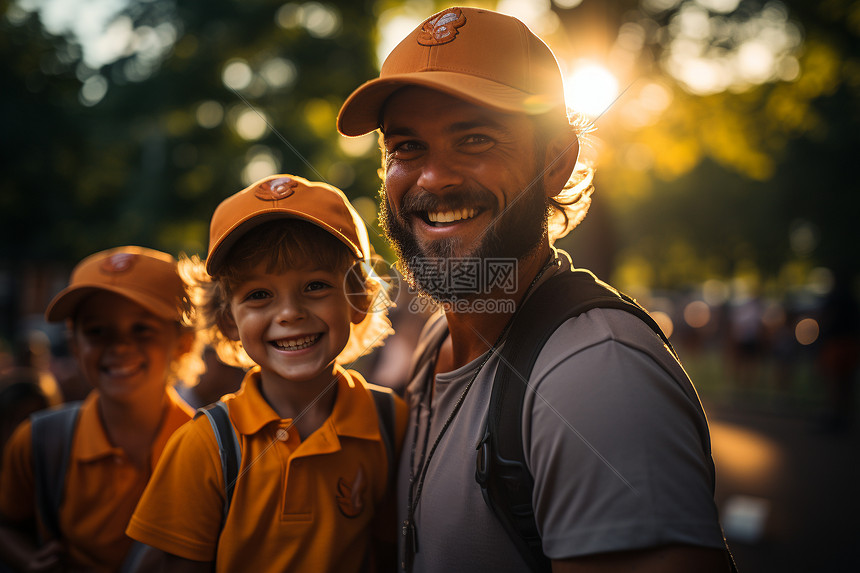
{"x": 52, "y": 434}
{"x": 229, "y": 448}
{"x": 384, "y": 401}
{"x": 501, "y": 471}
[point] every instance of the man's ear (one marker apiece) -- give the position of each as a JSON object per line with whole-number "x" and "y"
{"x": 562, "y": 152}
{"x": 227, "y": 325}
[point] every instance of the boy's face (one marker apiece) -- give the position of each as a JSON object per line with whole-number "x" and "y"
{"x": 124, "y": 350}
{"x": 293, "y": 323}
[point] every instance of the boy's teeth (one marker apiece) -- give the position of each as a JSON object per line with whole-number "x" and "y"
{"x": 297, "y": 343}
{"x": 121, "y": 370}
{"x": 450, "y": 216}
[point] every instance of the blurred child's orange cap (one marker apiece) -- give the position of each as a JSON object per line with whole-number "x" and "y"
{"x": 285, "y": 196}
{"x": 144, "y": 276}
{"x": 481, "y": 56}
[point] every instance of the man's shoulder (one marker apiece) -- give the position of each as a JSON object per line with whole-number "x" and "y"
{"x": 599, "y": 325}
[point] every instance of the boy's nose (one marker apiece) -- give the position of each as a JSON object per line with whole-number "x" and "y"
{"x": 121, "y": 342}
{"x": 290, "y": 310}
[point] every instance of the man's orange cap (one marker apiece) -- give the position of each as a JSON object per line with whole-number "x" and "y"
{"x": 279, "y": 197}
{"x": 481, "y": 56}
{"x": 144, "y": 276}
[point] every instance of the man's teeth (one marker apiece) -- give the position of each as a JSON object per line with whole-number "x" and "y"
{"x": 297, "y": 343}
{"x": 450, "y": 216}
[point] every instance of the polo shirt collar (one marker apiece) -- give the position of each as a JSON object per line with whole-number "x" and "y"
{"x": 250, "y": 412}
{"x": 91, "y": 441}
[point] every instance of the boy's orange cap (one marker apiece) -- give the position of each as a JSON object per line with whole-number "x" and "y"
{"x": 481, "y": 56}
{"x": 285, "y": 196}
{"x": 145, "y": 276}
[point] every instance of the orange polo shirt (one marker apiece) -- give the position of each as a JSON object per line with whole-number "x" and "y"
{"x": 297, "y": 506}
{"x": 102, "y": 486}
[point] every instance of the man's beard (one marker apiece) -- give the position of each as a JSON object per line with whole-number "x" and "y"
{"x": 516, "y": 233}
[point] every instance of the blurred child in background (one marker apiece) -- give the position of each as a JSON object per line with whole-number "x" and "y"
{"x": 86, "y": 464}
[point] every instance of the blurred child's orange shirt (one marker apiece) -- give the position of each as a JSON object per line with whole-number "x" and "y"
{"x": 102, "y": 485}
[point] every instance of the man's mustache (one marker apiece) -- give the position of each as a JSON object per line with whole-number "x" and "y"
{"x": 418, "y": 200}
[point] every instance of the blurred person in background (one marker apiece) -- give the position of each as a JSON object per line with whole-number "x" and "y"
{"x": 72, "y": 476}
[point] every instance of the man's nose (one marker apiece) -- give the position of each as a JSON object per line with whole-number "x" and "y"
{"x": 439, "y": 173}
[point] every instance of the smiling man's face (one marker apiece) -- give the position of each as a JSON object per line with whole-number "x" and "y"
{"x": 461, "y": 181}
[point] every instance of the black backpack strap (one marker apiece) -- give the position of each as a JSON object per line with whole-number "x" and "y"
{"x": 432, "y": 336}
{"x": 52, "y": 434}
{"x": 385, "y": 411}
{"x": 501, "y": 471}
{"x": 229, "y": 448}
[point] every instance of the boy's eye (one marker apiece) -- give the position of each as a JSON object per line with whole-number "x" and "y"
{"x": 317, "y": 286}
{"x": 145, "y": 328}
{"x": 257, "y": 295}
{"x": 92, "y": 331}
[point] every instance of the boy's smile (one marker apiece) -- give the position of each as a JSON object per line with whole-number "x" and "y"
{"x": 123, "y": 350}
{"x": 293, "y": 323}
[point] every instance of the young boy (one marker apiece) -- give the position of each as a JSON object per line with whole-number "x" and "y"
{"x": 314, "y": 472}
{"x": 127, "y": 312}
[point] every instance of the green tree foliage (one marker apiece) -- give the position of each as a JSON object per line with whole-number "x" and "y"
{"x": 139, "y": 165}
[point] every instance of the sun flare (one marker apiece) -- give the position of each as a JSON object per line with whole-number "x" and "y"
{"x": 590, "y": 89}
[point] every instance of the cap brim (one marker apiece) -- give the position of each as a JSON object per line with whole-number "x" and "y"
{"x": 63, "y": 305}
{"x": 220, "y": 250}
{"x": 361, "y": 112}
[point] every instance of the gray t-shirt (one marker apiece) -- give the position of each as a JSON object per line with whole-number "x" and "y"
{"x": 614, "y": 436}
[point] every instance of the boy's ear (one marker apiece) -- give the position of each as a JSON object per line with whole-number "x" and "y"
{"x": 357, "y": 314}
{"x": 227, "y": 325}
{"x": 560, "y": 161}
{"x": 186, "y": 343}
{"x": 71, "y": 339}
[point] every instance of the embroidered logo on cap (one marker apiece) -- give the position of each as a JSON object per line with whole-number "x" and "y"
{"x": 275, "y": 189}
{"x": 118, "y": 263}
{"x": 441, "y": 29}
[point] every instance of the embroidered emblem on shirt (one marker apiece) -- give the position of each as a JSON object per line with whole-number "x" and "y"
{"x": 275, "y": 189}
{"x": 349, "y": 497}
{"x": 118, "y": 263}
{"x": 441, "y": 29}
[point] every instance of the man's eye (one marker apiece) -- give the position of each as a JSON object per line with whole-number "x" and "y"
{"x": 403, "y": 149}
{"x": 477, "y": 142}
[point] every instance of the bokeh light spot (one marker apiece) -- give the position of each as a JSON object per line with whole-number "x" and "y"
{"x": 209, "y": 114}
{"x": 237, "y": 74}
{"x": 251, "y": 124}
{"x": 357, "y": 146}
{"x": 697, "y": 314}
{"x": 664, "y": 321}
{"x": 806, "y": 331}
